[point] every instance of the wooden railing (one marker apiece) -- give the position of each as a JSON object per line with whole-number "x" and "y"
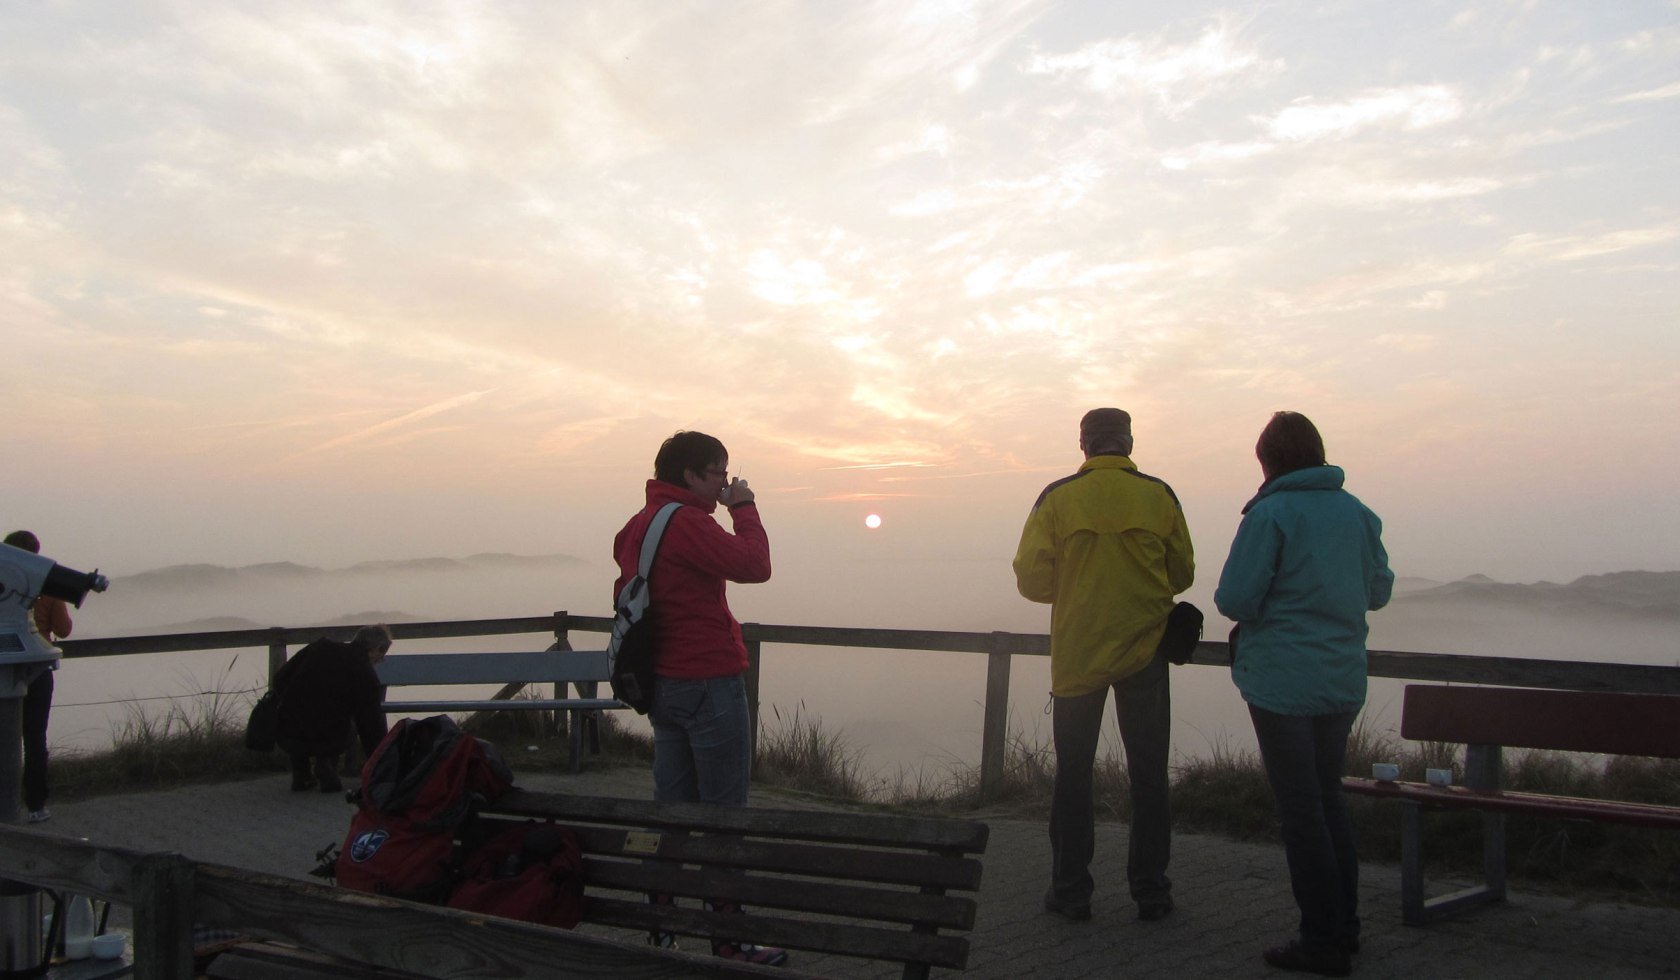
{"x": 999, "y": 647}
{"x": 170, "y": 894}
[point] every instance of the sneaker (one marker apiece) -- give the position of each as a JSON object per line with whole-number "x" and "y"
{"x": 40, "y": 816}
{"x": 1155, "y": 909}
{"x": 1069, "y": 910}
{"x": 748, "y": 953}
{"x": 1324, "y": 962}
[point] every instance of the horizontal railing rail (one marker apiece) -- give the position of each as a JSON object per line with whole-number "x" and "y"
{"x": 999, "y": 648}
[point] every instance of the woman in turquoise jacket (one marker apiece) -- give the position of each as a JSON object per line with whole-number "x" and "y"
{"x": 1306, "y": 566}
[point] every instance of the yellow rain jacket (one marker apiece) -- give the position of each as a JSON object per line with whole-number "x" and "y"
{"x": 1109, "y": 549}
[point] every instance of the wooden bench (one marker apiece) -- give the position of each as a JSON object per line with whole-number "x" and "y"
{"x": 874, "y": 886}
{"x": 1486, "y": 720}
{"x": 586, "y": 669}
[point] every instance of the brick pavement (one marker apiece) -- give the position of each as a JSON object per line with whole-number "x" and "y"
{"x": 1233, "y": 898}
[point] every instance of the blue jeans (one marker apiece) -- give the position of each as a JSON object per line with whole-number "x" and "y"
{"x": 1143, "y": 702}
{"x": 702, "y": 740}
{"x": 1303, "y": 755}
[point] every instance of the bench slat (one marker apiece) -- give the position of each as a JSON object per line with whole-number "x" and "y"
{"x": 544, "y": 666}
{"x": 1510, "y": 801}
{"x": 918, "y": 833}
{"x": 900, "y": 945}
{"x": 506, "y": 704}
{"x": 791, "y": 894}
{"x": 1566, "y": 721}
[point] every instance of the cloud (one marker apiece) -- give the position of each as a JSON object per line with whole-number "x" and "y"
{"x": 1176, "y": 76}
{"x": 1572, "y": 248}
{"x": 1410, "y": 108}
{"x": 1669, "y": 91}
{"x": 391, "y": 425}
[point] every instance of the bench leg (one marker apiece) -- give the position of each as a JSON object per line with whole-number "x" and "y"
{"x": 1411, "y": 863}
{"x": 1415, "y": 909}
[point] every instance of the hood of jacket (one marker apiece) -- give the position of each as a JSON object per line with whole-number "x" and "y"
{"x": 1311, "y": 478}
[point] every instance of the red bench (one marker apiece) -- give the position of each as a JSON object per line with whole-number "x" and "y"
{"x": 1488, "y": 719}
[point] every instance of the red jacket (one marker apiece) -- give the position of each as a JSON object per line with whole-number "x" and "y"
{"x": 698, "y": 637}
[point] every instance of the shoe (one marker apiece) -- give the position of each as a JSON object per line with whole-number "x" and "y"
{"x": 302, "y": 784}
{"x": 1069, "y": 910}
{"x": 1155, "y": 909}
{"x": 1294, "y": 956}
{"x": 748, "y": 953}
{"x": 327, "y": 776}
{"x": 40, "y": 816}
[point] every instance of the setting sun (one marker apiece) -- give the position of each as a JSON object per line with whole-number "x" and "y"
{"x": 872, "y": 522}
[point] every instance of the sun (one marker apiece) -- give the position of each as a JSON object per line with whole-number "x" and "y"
{"x": 872, "y": 522}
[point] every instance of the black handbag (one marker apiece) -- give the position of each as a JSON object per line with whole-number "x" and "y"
{"x": 263, "y": 723}
{"x": 1184, "y": 631}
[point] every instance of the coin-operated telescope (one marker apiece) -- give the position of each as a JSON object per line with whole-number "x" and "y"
{"x": 24, "y": 576}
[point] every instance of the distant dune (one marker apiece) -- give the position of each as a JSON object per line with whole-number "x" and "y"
{"x": 1651, "y": 595}
{"x": 199, "y": 577}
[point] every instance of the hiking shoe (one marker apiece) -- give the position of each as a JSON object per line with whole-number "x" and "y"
{"x": 1069, "y": 910}
{"x": 1324, "y": 962}
{"x": 1155, "y": 909}
{"x": 40, "y": 816}
{"x": 748, "y": 953}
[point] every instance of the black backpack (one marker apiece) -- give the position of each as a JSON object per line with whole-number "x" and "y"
{"x": 635, "y": 632}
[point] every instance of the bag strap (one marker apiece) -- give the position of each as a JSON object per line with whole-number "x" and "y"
{"x": 656, "y": 532}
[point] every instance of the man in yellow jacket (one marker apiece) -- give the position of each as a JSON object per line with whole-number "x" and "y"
{"x": 1109, "y": 549}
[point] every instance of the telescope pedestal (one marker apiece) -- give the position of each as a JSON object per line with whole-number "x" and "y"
{"x": 14, "y": 683}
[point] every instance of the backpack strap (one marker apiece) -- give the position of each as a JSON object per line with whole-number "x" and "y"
{"x": 655, "y": 533}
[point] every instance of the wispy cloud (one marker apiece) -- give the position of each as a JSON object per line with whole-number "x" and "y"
{"x": 390, "y": 426}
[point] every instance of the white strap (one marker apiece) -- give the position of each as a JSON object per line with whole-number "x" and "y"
{"x": 656, "y": 530}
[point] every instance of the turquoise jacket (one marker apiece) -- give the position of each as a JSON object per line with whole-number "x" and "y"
{"x": 1307, "y": 564}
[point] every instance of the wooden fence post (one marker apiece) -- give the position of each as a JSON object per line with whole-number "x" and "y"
{"x": 994, "y": 732}
{"x": 163, "y": 917}
{"x": 749, "y": 632}
{"x": 276, "y": 652}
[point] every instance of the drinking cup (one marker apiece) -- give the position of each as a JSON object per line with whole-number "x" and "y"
{"x": 1386, "y": 772}
{"x": 1438, "y": 777}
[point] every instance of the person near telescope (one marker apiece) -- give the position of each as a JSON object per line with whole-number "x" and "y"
{"x": 324, "y": 689}
{"x": 52, "y": 621}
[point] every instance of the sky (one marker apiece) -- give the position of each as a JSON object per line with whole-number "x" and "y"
{"x": 336, "y": 282}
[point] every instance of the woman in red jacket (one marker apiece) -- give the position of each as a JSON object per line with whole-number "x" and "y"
{"x": 702, "y": 732}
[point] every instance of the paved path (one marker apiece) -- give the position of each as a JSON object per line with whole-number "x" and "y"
{"x": 1233, "y": 898}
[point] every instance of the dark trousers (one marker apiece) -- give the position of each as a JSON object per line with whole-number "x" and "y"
{"x": 1144, "y": 704}
{"x": 37, "y": 705}
{"x": 1303, "y": 755}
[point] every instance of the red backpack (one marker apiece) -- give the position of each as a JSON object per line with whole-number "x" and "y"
{"x": 531, "y": 871}
{"x": 425, "y": 778}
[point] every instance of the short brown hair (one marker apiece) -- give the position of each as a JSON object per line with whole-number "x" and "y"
{"x": 1289, "y": 442}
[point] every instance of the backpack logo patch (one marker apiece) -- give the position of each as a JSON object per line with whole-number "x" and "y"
{"x": 367, "y": 844}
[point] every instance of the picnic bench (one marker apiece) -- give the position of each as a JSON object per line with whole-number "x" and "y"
{"x": 877, "y": 886}
{"x": 585, "y": 670}
{"x": 1486, "y": 720}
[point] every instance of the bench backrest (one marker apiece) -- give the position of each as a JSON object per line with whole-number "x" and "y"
{"x": 1566, "y": 721}
{"x": 545, "y": 666}
{"x": 870, "y": 885}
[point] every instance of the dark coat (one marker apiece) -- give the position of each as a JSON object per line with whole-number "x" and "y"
{"x": 324, "y": 689}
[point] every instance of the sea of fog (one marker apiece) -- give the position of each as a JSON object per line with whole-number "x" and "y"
{"x": 903, "y": 711}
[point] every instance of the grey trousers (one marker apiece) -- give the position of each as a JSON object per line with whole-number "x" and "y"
{"x": 1144, "y": 704}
